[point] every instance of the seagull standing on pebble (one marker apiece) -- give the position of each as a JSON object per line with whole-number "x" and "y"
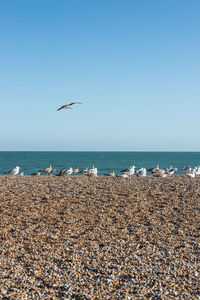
{"x": 141, "y": 172}
{"x": 35, "y": 174}
{"x": 14, "y": 171}
{"x": 54, "y": 171}
{"x": 46, "y": 170}
{"x": 154, "y": 170}
{"x": 187, "y": 169}
{"x": 76, "y": 170}
{"x": 160, "y": 173}
{"x": 171, "y": 170}
{"x": 61, "y": 172}
{"x": 130, "y": 171}
{"x": 191, "y": 173}
{"x": 197, "y": 170}
{"x": 68, "y": 172}
{"x": 112, "y": 174}
{"x": 84, "y": 171}
{"x": 21, "y": 174}
{"x": 93, "y": 171}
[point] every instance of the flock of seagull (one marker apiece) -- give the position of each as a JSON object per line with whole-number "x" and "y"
{"x": 93, "y": 171}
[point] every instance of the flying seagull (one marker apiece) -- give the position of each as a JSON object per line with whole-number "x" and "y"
{"x": 69, "y": 106}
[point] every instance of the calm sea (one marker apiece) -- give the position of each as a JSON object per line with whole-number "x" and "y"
{"x": 104, "y": 161}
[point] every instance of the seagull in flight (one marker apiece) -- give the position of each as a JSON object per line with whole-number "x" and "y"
{"x": 69, "y": 106}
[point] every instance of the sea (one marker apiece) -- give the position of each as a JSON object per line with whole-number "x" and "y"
{"x": 32, "y": 161}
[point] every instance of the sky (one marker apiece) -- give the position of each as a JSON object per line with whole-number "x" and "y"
{"x": 134, "y": 65}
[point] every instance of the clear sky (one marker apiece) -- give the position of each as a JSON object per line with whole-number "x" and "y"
{"x": 134, "y": 64}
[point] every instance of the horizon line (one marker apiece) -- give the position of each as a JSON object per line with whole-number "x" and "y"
{"x": 192, "y": 151}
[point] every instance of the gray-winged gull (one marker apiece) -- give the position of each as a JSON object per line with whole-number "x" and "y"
{"x": 130, "y": 171}
{"x": 46, "y": 170}
{"x": 14, "y": 171}
{"x": 68, "y": 106}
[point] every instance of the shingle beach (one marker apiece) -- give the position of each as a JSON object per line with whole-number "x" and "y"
{"x": 99, "y": 238}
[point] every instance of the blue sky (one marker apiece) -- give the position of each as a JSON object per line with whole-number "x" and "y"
{"x": 134, "y": 65}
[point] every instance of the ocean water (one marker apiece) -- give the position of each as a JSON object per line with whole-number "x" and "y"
{"x": 105, "y": 161}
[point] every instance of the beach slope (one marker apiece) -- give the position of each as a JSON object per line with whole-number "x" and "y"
{"x": 99, "y": 238}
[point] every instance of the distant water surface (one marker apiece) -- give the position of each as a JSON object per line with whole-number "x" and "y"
{"x": 105, "y": 161}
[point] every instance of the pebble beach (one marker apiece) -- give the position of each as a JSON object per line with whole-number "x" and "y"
{"x": 100, "y": 237}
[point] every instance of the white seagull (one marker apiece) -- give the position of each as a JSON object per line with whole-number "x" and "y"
{"x": 54, "y": 171}
{"x": 171, "y": 170}
{"x": 187, "y": 169}
{"x": 191, "y": 173}
{"x": 35, "y": 174}
{"x": 46, "y": 170}
{"x": 130, "y": 171}
{"x": 76, "y": 170}
{"x": 154, "y": 170}
{"x": 141, "y": 172}
{"x": 14, "y": 171}
{"x": 112, "y": 174}
{"x": 61, "y": 172}
{"x": 93, "y": 171}
{"x": 84, "y": 171}
{"x": 197, "y": 170}
{"x": 21, "y": 174}
{"x": 68, "y": 106}
{"x": 68, "y": 172}
{"x": 160, "y": 173}
{"x": 122, "y": 175}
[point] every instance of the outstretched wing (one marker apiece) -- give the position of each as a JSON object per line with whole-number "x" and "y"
{"x": 63, "y": 106}
{"x": 75, "y": 103}
{"x": 68, "y": 105}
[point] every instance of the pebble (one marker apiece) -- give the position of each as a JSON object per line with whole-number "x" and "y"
{"x": 99, "y": 238}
